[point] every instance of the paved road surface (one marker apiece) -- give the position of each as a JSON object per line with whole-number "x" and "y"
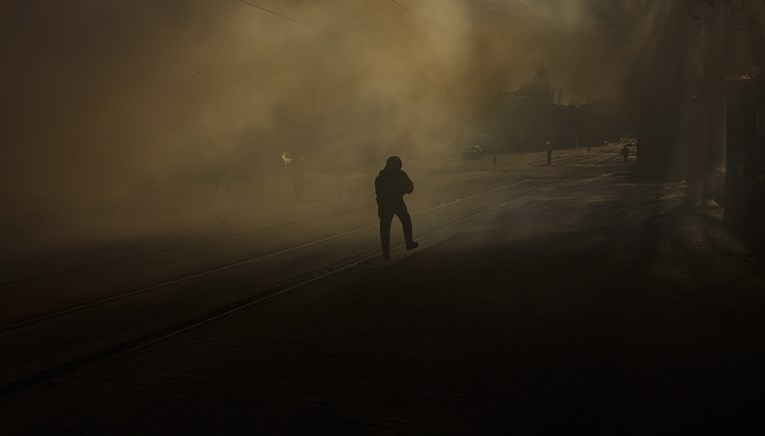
{"x": 126, "y": 291}
{"x": 580, "y": 299}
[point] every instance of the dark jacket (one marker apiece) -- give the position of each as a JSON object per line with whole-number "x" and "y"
{"x": 391, "y": 185}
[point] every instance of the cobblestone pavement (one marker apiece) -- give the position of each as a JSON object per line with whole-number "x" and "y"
{"x": 595, "y": 306}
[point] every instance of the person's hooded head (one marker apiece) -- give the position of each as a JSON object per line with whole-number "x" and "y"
{"x": 393, "y": 163}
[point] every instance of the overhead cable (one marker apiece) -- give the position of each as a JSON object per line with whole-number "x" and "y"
{"x": 410, "y": 11}
{"x": 248, "y": 3}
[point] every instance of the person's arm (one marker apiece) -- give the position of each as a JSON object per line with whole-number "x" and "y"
{"x": 408, "y": 184}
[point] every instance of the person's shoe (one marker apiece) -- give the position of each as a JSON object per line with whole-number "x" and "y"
{"x": 386, "y": 255}
{"x": 412, "y": 245}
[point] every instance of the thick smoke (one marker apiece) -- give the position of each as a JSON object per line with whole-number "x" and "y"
{"x": 120, "y": 95}
{"x": 125, "y": 97}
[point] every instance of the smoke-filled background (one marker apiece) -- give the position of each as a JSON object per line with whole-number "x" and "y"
{"x": 112, "y": 95}
{"x": 124, "y": 96}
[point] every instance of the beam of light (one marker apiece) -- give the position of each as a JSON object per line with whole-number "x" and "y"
{"x": 273, "y": 12}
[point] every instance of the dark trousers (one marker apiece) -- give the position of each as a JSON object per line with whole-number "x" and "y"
{"x": 385, "y": 213}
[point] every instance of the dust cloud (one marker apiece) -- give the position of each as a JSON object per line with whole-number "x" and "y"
{"x": 117, "y": 95}
{"x": 140, "y": 100}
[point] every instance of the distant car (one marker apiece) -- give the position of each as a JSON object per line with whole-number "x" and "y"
{"x": 472, "y": 152}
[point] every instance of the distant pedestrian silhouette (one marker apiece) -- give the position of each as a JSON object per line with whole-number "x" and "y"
{"x": 390, "y": 186}
{"x": 494, "y": 161}
{"x": 549, "y": 153}
{"x": 626, "y": 152}
{"x": 298, "y": 172}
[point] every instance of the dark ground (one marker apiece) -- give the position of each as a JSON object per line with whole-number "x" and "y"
{"x": 598, "y": 305}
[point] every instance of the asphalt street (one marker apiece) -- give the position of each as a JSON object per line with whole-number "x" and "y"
{"x": 563, "y": 299}
{"x": 128, "y": 289}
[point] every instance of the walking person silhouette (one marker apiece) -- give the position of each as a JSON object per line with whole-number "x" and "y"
{"x": 390, "y": 186}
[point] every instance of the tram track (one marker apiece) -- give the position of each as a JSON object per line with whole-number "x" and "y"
{"x": 224, "y": 237}
{"x": 262, "y": 294}
{"x": 252, "y": 259}
{"x": 220, "y": 268}
{"x": 108, "y": 299}
{"x": 269, "y": 227}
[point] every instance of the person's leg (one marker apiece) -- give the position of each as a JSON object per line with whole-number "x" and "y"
{"x": 386, "y": 217}
{"x": 406, "y": 223}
